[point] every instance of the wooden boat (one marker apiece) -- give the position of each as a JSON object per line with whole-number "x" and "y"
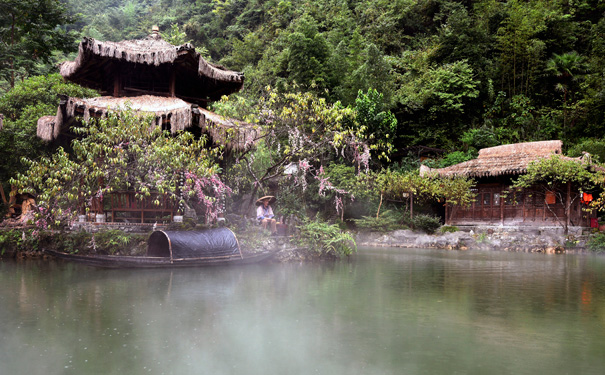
{"x": 215, "y": 247}
{"x": 124, "y": 261}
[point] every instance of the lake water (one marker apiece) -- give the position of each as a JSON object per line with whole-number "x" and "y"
{"x": 384, "y": 311}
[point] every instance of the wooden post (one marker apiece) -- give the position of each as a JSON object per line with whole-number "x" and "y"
{"x": 501, "y": 209}
{"x": 172, "y": 85}
{"x": 116, "y": 86}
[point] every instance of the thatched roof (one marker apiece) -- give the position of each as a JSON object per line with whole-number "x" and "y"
{"x": 174, "y": 111}
{"x": 47, "y": 129}
{"x": 502, "y": 160}
{"x": 97, "y": 62}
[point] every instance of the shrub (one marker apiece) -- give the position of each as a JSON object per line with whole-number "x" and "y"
{"x": 69, "y": 242}
{"x": 596, "y": 243}
{"x": 448, "y": 229}
{"x": 327, "y": 239}
{"x": 426, "y": 223}
{"x": 388, "y": 220}
{"x": 113, "y": 241}
{"x": 19, "y": 240}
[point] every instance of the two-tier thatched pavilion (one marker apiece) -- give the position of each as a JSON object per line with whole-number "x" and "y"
{"x": 173, "y": 84}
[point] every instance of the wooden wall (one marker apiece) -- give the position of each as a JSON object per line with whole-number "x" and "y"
{"x": 494, "y": 206}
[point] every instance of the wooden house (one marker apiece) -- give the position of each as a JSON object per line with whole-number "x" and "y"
{"x": 173, "y": 84}
{"x": 494, "y": 170}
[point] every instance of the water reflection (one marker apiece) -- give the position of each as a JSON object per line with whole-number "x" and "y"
{"x": 386, "y": 311}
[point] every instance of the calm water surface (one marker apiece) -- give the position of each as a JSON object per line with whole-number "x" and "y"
{"x": 385, "y": 311}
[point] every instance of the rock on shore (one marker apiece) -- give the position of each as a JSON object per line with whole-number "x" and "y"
{"x": 502, "y": 240}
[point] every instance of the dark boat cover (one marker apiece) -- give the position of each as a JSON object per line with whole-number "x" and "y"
{"x": 208, "y": 243}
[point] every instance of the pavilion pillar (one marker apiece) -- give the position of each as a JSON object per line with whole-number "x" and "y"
{"x": 116, "y": 85}
{"x": 172, "y": 84}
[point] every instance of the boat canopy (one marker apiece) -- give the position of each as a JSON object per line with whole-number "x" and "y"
{"x": 208, "y": 243}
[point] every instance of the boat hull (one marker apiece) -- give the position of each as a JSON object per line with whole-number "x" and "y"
{"x": 120, "y": 261}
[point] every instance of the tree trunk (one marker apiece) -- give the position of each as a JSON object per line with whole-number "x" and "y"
{"x": 12, "y": 79}
{"x": 2, "y": 194}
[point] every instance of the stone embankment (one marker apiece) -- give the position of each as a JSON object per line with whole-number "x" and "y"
{"x": 543, "y": 240}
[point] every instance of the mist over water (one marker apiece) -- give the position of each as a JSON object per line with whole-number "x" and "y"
{"x": 384, "y": 311}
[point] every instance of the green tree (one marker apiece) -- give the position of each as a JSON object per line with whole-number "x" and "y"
{"x": 377, "y": 124}
{"x": 30, "y": 30}
{"x": 428, "y": 186}
{"x": 308, "y": 54}
{"x": 122, "y": 152}
{"x": 175, "y": 35}
{"x": 567, "y": 68}
{"x": 22, "y": 107}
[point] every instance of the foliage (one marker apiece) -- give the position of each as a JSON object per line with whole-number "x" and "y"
{"x": 596, "y": 242}
{"x": 19, "y": 240}
{"x": 455, "y": 157}
{"x": 456, "y": 191}
{"x": 123, "y": 152}
{"x": 426, "y": 223}
{"x": 595, "y": 147}
{"x": 377, "y": 125}
{"x": 175, "y": 35}
{"x": 72, "y": 242}
{"x": 327, "y": 239}
{"x": 30, "y": 31}
{"x": 22, "y": 106}
{"x": 115, "y": 241}
{"x": 479, "y": 138}
{"x": 301, "y": 133}
{"x": 388, "y": 220}
{"x": 448, "y": 229}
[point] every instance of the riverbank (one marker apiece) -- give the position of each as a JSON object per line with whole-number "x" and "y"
{"x": 26, "y": 243}
{"x": 538, "y": 240}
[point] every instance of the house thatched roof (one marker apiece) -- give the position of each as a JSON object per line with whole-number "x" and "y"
{"x": 174, "y": 111}
{"x": 510, "y": 159}
{"x": 97, "y": 62}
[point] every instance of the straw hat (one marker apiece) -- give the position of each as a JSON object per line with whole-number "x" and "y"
{"x": 271, "y": 199}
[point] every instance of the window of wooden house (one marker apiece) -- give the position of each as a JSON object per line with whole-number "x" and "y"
{"x": 487, "y": 199}
{"x": 496, "y": 199}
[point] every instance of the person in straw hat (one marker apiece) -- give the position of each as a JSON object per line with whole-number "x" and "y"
{"x": 264, "y": 213}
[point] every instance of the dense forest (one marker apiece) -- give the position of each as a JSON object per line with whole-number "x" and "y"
{"x": 456, "y": 74}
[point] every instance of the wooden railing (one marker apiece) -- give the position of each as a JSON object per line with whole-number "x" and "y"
{"x": 126, "y": 207}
